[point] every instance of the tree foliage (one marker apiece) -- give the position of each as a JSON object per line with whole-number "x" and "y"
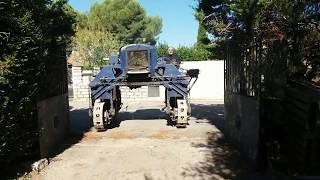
{"x": 93, "y": 46}
{"x": 297, "y": 23}
{"x": 188, "y": 53}
{"x": 204, "y": 43}
{"x": 226, "y": 19}
{"x": 294, "y": 23}
{"x": 31, "y": 34}
{"x": 202, "y": 38}
{"x": 126, "y": 19}
{"x": 112, "y": 24}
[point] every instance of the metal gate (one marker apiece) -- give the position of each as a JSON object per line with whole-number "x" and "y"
{"x": 272, "y": 119}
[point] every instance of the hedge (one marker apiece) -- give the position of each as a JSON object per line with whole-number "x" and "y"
{"x": 201, "y": 53}
{"x": 31, "y": 34}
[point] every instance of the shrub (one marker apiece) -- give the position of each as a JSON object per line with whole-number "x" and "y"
{"x": 190, "y": 53}
{"x": 29, "y": 46}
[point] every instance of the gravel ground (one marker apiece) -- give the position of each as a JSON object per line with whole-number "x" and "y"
{"x": 145, "y": 147}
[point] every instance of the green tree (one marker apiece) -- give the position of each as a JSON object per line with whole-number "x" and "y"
{"x": 126, "y": 20}
{"x": 205, "y": 45}
{"x": 294, "y": 22}
{"x": 110, "y": 25}
{"x": 225, "y": 19}
{"x": 93, "y": 46}
{"x": 202, "y": 38}
{"x": 31, "y": 34}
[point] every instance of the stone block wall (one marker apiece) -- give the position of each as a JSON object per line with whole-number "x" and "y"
{"x": 80, "y": 82}
{"x": 141, "y": 93}
{"x": 81, "y": 91}
{"x": 242, "y": 123}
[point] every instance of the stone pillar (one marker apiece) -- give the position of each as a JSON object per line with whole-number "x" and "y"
{"x": 86, "y": 78}
{"x": 76, "y": 81}
{"x": 81, "y": 79}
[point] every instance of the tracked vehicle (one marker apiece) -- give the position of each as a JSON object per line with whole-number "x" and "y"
{"x": 138, "y": 65}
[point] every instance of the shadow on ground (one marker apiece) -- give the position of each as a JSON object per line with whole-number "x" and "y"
{"x": 203, "y": 113}
{"x": 213, "y": 113}
{"x": 80, "y": 123}
{"x": 222, "y": 161}
{"x": 143, "y": 114}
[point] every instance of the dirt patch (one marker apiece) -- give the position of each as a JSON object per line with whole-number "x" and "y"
{"x": 91, "y": 137}
{"x": 161, "y": 135}
{"x": 120, "y": 135}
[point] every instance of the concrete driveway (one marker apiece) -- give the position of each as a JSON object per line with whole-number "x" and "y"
{"x": 145, "y": 147}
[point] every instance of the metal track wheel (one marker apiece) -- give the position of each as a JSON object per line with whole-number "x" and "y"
{"x": 99, "y": 118}
{"x": 182, "y": 113}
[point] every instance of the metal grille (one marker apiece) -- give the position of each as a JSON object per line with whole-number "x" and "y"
{"x": 153, "y": 91}
{"x": 242, "y": 75}
{"x": 54, "y": 79}
{"x": 137, "y": 60}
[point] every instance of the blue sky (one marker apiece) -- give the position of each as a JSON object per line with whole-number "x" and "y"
{"x": 179, "y": 25}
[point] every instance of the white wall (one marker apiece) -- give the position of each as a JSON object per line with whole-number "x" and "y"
{"x": 210, "y": 84}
